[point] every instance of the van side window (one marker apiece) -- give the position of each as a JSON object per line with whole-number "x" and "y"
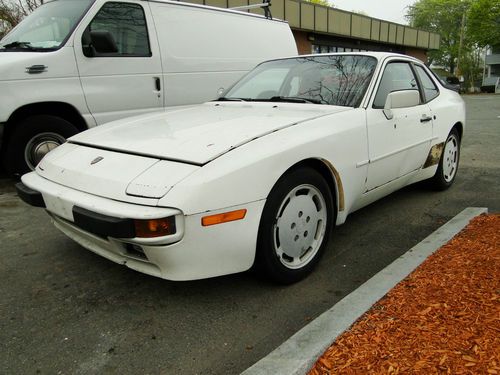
{"x": 430, "y": 89}
{"x": 397, "y": 76}
{"x": 125, "y": 25}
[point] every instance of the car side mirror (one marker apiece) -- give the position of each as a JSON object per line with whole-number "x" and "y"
{"x": 103, "y": 41}
{"x": 400, "y": 99}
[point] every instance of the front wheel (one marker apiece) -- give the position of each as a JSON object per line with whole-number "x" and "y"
{"x": 448, "y": 163}
{"x": 32, "y": 139}
{"x": 294, "y": 227}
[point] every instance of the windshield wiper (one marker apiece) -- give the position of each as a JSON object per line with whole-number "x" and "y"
{"x": 292, "y": 99}
{"x": 21, "y": 45}
{"x": 224, "y": 99}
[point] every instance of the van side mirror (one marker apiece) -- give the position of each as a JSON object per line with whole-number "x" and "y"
{"x": 400, "y": 99}
{"x": 103, "y": 42}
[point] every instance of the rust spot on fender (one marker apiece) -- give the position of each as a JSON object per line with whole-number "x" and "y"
{"x": 434, "y": 155}
{"x": 338, "y": 181}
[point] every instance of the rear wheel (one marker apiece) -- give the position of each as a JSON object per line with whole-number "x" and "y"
{"x": 32, "y": 139}
{"x": 448, "y": 163}
{"x": 294, "y": 227}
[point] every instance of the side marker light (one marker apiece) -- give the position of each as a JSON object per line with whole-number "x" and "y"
{"x": 223, "y": 218}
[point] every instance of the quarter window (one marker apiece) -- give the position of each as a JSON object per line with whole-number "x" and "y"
{"x": 397, "y": 76}
{"x": 126, "y": 23}
{"x": 430, "y": 89}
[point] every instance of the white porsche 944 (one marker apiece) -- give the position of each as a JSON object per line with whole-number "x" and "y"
{"x": 258, "y": 177}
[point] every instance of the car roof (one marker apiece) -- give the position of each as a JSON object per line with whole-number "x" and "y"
{"x": 380, "y": 56}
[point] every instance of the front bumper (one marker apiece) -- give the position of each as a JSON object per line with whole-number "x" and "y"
{"x": 193, "y": 252}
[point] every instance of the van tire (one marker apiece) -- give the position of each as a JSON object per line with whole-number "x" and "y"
{"x": 32, "y": 138}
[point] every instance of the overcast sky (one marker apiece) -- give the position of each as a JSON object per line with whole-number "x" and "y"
{"x": 390, "y": 10}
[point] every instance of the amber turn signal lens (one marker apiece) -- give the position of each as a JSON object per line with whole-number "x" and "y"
{"x": 223, "y": 218}
{"x": 155, "y": 227}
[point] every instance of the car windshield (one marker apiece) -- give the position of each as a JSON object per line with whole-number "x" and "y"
{"x": 47, "y": 27}
{"x": 330, "y": 79}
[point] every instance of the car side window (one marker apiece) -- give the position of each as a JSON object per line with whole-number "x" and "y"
{"x": 126, "y": 24}
{"x": 397, "y": 76}
{"x": 430, "y": 89}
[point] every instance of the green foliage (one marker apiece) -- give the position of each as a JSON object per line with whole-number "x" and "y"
{"x": 445, "y": 18}
{"x": 483, "y": 24}
{"x": 325, "y": 3}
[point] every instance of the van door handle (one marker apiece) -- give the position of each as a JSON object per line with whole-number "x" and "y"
{"x": 157, "y": 83}
{"x": 425, "y": 118}
{"x": 36, "y": 69}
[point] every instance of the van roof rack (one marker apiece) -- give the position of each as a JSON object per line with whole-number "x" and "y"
{"x": 265, "y": 5}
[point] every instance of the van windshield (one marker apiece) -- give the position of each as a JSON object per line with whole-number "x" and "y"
{"x": 47, "y": 28}
{"x": 322, "y": 79}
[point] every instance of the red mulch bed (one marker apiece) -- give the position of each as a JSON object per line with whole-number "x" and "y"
{"x": 444, "y": 318}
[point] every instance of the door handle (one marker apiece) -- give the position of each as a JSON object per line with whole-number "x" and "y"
{"x": 157, "y": 84}
{"x": 425, "y": 118}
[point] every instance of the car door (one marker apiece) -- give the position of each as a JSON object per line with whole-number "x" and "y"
{"x": 397, "y": 146}
{"x": 126, "y": 81}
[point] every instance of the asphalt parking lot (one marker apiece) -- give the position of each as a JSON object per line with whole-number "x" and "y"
{"x": 65, "y": 310}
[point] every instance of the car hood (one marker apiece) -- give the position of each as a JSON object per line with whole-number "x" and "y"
{"x": 199, "y": 134}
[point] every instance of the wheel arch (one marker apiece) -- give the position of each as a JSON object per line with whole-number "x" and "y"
{"x": 60, "y": 109}
{"x": 331, "y": 176}
{"x": 460, "y": 128}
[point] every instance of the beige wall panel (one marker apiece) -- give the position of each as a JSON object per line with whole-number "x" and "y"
{"x": 292, "y": 13}
{"x": 423, "y": 39}
{"x": 237, "y": 3}
{"x": 200, "y": 2}
{"x": 259, "y": 11}
{"x": 366, "y": 27}
{"x": 392, "y": 33}
{"x": 410, "y": 37}
{"x": 384, "y": 31}
{"x": 321, "y": 18}
{"x": 432, "y": 40}
{"x": 375, "y": 30}
{"x": 339, "y": 22}
{"x": 278, "y": 9}
{"x": 437, "y": 41}
{"x": 216, "y": 3}
{"x": 356, "y": 25}
{"x": 400, "y": 35}
{"x": 307, "y": 16}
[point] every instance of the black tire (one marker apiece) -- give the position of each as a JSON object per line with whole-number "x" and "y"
{"x": 448, "y": 163}
{"x": 313, "y": 193}
{"x": 24, "y": 146}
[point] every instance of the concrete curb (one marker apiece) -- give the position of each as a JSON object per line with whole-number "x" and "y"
{"x": 299, "y": 353}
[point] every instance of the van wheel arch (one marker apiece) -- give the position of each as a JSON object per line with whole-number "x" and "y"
{"x": 54, "y": 121}
{"x": 58, "y": 109}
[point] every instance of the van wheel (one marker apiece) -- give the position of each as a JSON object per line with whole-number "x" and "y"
{"x": 32, "y": 139}
{"x": 294, "y": 227}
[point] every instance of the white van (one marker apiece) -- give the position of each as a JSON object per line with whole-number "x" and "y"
{"x": 74, "y": 64}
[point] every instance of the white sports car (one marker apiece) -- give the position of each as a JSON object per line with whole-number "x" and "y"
{"x": 259, "y": 176}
